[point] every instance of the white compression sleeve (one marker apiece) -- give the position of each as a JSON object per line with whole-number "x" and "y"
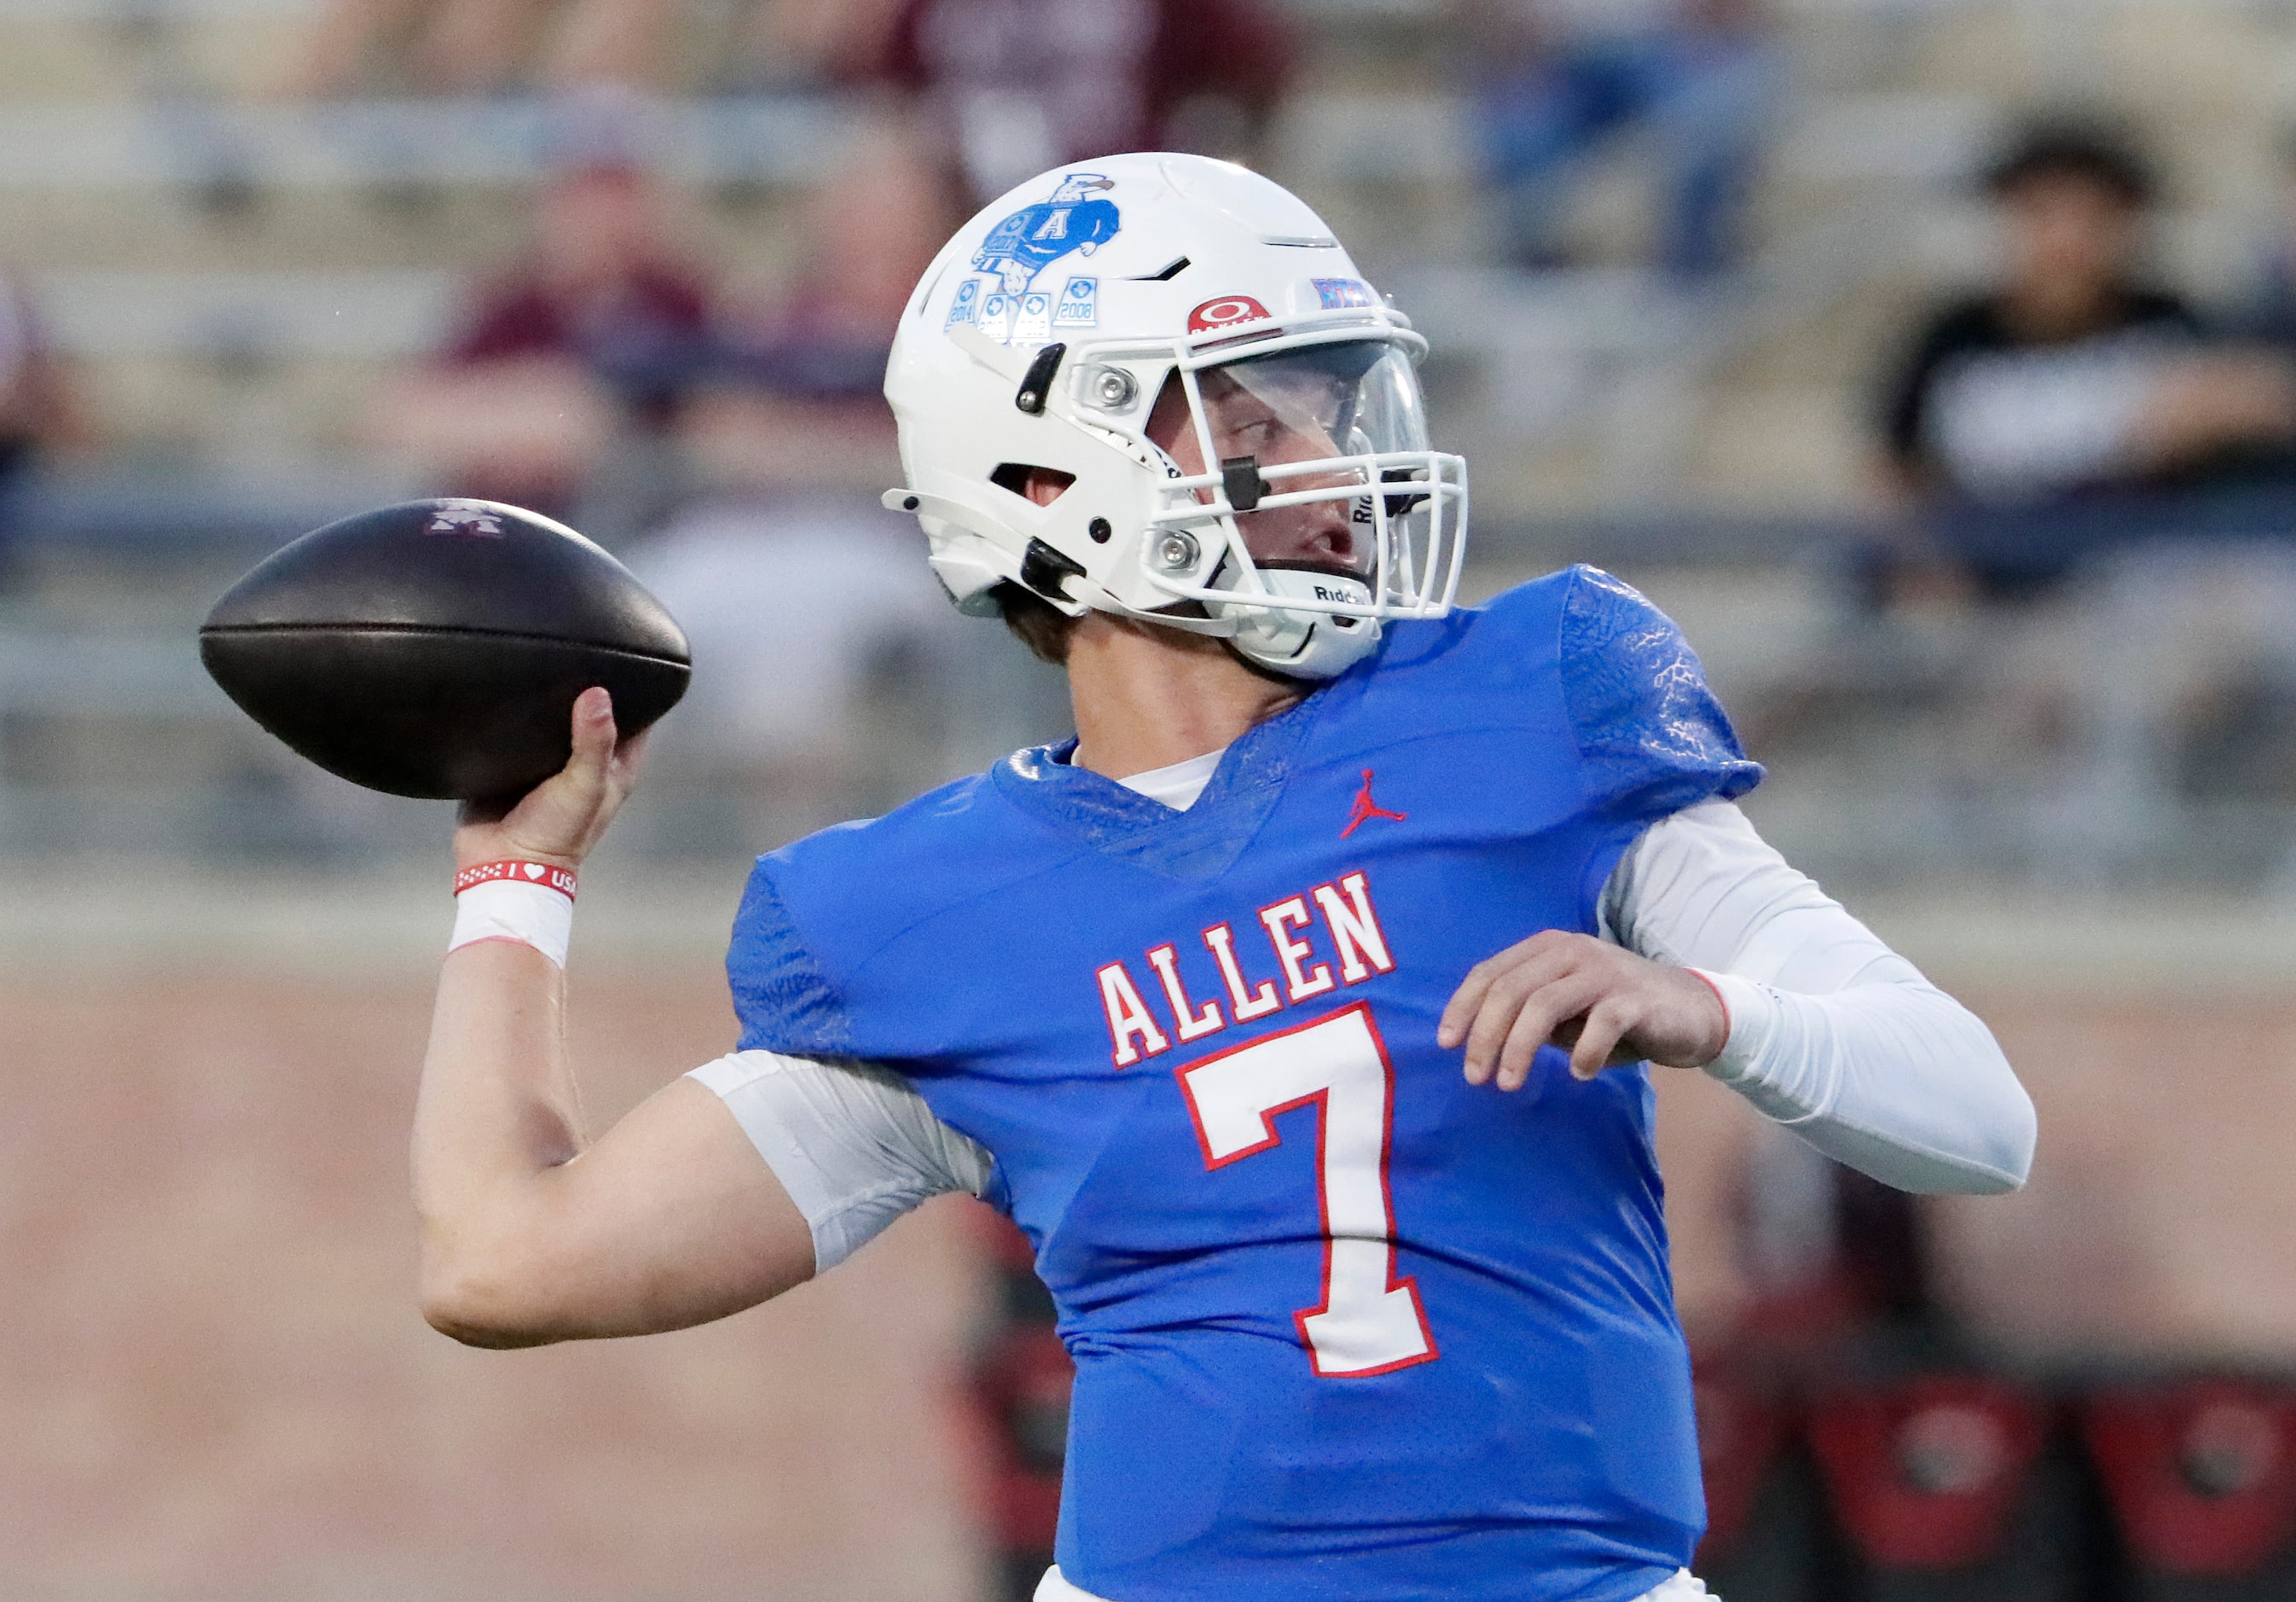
{"x": 1832, "y": 1034}
{"x": 853, "y": 1145}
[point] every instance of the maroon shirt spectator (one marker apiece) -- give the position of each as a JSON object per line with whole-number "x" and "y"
{"x": 600, "y": 330}
{"x": 36, "y": 410}
{"x": 1021, "y": 85}
{"x": 600, "y": 290}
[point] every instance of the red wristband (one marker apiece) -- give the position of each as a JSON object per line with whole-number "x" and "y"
{"x": 1727, "y": 1021}
{"x": 559, "y": 879}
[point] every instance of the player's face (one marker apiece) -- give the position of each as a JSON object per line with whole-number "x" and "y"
{"x": 2070, "y": 240}
{"x": 1276, "y": 410}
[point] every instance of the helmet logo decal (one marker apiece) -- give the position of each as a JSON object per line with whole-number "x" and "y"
{"x": 1337, "y": 293}
{"x": 965, "y": 305}
{"x": 1031, "y": 239}
{"x": 1079, "y": 306}
{"x": 1035, "y": 324}
{"x": 1226, "y": 312}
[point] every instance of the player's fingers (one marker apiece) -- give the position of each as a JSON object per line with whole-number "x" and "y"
{"x": 1502, "y": 981}
{"x": 1550, "y": 951}
{"x": 1485, "y": 1033}
{"x": 1468, "y": 998}
{"x": 1606, "y": 1024}
{"x": 1541, "y": 1015}
{"x": 629, "y": 756}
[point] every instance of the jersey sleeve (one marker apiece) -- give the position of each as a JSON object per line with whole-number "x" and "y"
{"x": 782, "y": 994}
{"x": 1652, "y": 737}
{"x": 854, "y": 1145}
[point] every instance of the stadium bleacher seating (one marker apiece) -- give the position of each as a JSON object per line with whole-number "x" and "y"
{"x": 231, "y": 274}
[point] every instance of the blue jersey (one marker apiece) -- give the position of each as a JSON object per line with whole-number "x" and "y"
{"x": 1344, "y": 1325}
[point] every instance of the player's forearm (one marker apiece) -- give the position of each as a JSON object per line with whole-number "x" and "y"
{"x": 1832, "y": 1032}
{"x": 1893, "y": 1076}
{"x": 496, "y": 1116}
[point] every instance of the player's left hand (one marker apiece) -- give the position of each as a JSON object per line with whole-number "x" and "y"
{"x": 1600, "y": 1002}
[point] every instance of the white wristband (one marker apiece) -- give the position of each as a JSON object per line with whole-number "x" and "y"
{"x": 516, "y": 908}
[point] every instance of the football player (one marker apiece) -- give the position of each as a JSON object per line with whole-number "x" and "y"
{"x": 1299, "y": 1010}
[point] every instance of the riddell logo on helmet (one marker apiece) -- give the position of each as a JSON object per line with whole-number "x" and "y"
{"x": 1226, "y": 312}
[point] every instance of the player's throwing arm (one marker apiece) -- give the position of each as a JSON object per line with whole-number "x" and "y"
{"x": 530, "y": 1233}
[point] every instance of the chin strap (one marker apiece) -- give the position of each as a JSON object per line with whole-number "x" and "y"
{"x": 1310, "y": 645}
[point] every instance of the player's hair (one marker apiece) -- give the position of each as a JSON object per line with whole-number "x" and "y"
{"x": 2072, "y": 144}
{"x": 1037, "y": 623}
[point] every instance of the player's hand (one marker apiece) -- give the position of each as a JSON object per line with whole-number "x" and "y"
{"x": 560, "y": 820}
{"x": 1600, "y": 1002}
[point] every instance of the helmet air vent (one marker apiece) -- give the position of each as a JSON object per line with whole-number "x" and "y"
{"x": 1015, "y": 476}
{"x": 1167, "y": 275}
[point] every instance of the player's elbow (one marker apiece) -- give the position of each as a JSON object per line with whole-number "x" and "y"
{"x": 486, "y": 1296}
{"x": 476, "y": 1318}
{"x": 2001, "y": 1126}
{"x": 1981, "y": 1122}
{"x": 1991, "y": 1154}
{"x": 2012, "y": 1132}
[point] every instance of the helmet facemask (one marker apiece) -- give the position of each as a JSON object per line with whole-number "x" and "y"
{"x": 1302, "y": 504}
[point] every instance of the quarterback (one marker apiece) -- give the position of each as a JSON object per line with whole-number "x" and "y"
{"x": 1301, "y": 1009}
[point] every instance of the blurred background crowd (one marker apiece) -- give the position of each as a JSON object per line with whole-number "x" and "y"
{"x": 1932, "y": 361}
{"x": 1947, "y": 349}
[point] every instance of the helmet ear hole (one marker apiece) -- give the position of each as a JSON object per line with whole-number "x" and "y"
{"x": 1030, "y": 482}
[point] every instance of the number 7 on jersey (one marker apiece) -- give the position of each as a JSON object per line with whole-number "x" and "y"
{"x": 1369, "y": 1322}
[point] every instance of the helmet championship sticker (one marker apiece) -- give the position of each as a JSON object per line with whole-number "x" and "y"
{"x": 1079, "y": 306}
{"x": 1005, "y": 303}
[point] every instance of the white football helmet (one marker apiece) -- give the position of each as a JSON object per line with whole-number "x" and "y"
{"x": 1284, "y": 498}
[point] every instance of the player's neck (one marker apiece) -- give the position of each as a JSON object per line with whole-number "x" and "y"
{"x": 1147, "y": 697}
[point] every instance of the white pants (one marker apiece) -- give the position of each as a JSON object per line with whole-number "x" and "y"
{"x": 1685, "y": 1587}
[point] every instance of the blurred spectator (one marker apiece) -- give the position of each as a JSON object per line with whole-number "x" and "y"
{"x": 829, "y": 642}
{"x": 1016, "y": 86}
{"x": 829, "y": 645}
{"x": 2267, "y": 313}
{"x": 601, "y": 329}
{"x": 817, "y": 41}
{"x": 870, "y": 231}
{"x": 795, "y": 403}
{"x": 2075, "y": 378}
{"x": 34, "y": 414}
{"x": 474, "y": 46}
{"x": 1561, "y": 77}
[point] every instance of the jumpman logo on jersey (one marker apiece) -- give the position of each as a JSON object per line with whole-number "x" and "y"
{"x": 1365, "y": 809}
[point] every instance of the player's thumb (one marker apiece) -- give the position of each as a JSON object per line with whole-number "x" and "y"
{"x": 593, "y": 738}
